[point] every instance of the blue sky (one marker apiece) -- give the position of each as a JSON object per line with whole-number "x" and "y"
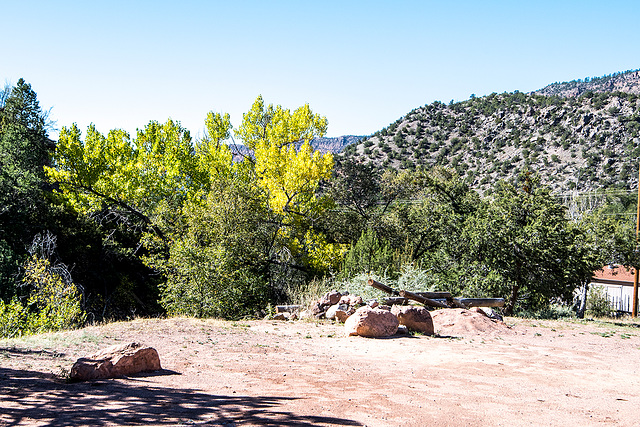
{"x": 362, "y": 64}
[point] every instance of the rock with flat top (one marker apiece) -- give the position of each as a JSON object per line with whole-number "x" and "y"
{"x": 371, "y": 322}
{"x": 116, "y": 361}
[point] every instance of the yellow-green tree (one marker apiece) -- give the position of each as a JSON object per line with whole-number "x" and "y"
{"x": 289, "y": 171}
{"x": 227, "y": 236}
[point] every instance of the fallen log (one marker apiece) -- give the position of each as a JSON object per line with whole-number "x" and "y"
{"x": 395, "y": 301}
{"x": 434, "y": 295}
{"x": 457, "y": 302}
{"x": 482, "y": 302}
{"x": 382, "y": 287}
{"x": 422, "y": 300}
{"x": 288, "y": 308}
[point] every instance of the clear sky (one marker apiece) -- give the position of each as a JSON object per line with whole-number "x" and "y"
{"x": 362, "y": 64}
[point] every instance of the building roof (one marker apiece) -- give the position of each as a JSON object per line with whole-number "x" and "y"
{"x": 614, "y": 274}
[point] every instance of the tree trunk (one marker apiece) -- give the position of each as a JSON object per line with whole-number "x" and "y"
{"x": 583, "y": 300}
{"x": 508, "y": 311}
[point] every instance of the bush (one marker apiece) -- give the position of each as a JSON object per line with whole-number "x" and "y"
{"x": 550, "y": 312}
{"x": 54, "y": 303}
{"x": 598, "y": 304}
{"x": 202, "y": 284}
{"x": 368, "y": 255}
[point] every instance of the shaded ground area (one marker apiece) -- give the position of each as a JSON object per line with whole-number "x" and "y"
{"x": 309, "y": 374}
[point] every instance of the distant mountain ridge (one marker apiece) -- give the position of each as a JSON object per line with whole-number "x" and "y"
{"x": 323, "y": 144}
{"x": 627, "y": 82}
{"x": 335, "y": 144}
{"x": 581, "y": 135}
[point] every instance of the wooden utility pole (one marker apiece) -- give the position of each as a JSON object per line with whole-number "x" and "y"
{"x": 634, "y": 314}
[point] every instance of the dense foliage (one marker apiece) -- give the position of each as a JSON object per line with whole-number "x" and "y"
{"x": 100, "y": 226}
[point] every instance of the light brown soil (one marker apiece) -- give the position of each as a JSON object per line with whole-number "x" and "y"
{"x": 310, "y": 374}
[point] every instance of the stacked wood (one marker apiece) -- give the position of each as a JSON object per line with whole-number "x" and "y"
{"x": 434, "y": 299}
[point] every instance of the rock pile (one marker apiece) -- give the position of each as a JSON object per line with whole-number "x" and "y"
{"x": 335, "y": 305}
{"x": 374, "y": 320}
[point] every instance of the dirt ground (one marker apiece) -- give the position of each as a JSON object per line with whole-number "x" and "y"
{"x": 309, "y": 374}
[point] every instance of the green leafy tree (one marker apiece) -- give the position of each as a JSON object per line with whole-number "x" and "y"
{"x": 368, "y": 255}
{"x": 522, "y": 237}
{"x": 160, "y": 186}
{"x": 289, "y": 171}
{"x": 219, "y": 255}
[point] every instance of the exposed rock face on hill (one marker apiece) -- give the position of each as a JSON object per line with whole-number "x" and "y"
{"x": 324, "y": 145}
{"x": 335, "y": 144}
{"x": 627, "y": 82}
{"x": 579, "y": 142}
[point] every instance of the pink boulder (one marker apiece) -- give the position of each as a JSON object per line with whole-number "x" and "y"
{"x": 414, "y": 317}
{"x": 116, "y": 361}
{"x": 371, "y": 322}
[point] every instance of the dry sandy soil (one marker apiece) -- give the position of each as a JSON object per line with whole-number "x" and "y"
{"x": 309, "y": 374}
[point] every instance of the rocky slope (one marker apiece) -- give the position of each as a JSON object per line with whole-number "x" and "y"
{"x": 627, "y": 82}
{"x": 586, "y": 139}
{"x": 324, "y": 145}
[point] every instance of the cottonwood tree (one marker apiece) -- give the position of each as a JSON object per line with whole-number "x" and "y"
{"x": 211, "y": 226}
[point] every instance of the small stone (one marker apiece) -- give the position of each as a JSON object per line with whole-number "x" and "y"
{"x": 317, "y": 309}
{"x": 331, "y": 312}
{"x": 330, "y": 298}
{"x": 281, "y": 316}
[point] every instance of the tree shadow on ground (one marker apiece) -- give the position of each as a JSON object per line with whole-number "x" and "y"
{"x": 30, "y": 397}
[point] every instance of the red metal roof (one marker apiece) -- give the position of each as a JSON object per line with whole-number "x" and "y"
{"x": 613, "y": 274}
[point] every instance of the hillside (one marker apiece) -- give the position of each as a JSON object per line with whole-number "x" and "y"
{"x": 582, "y": 142}
{"x": 627, "y": 82}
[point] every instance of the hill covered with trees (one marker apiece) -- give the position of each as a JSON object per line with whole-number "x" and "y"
{"x": 581, "y": 135}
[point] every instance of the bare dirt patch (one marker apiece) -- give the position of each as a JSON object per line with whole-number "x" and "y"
{"x": 310, "y": 374}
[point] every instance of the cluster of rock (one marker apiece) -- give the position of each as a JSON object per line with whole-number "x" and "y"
{"x": 368, "y": 319}
{"x": 384, "y": 321}
{"x": 336, "y": 305}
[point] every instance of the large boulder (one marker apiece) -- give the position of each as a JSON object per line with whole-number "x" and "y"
{"x": 116, "y": 361}
{"x": 461, "y": 322}
{"x": 371, "y": 322}
{"x": 414, "y": 317}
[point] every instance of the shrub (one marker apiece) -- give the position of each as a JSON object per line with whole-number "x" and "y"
{"x": 598, "y": 304}
{"x": 368, "y": 254}
{"x": 54, "y": 303}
